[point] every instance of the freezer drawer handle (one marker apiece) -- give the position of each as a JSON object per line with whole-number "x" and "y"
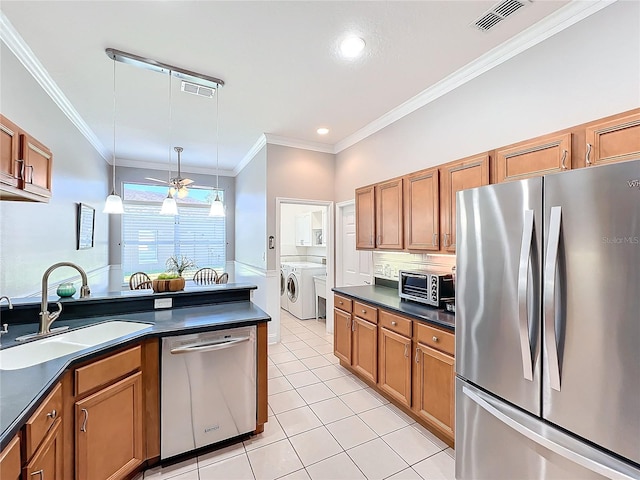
{"x": 523, "y": 284}
{"x": 551, "y": 262}
{"x": 209, "y": 347}
{"x": 498, "y": 411}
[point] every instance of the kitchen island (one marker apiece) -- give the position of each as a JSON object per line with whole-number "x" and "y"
{"x": 23, "y": 391}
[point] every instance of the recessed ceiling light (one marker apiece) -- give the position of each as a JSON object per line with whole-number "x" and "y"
{"x": 322, "y": 131}
{"x": 352, "y": 46}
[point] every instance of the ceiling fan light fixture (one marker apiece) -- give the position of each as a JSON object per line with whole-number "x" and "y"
{"x": 169, "y": 206}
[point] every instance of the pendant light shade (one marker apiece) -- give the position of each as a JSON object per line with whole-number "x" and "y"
{"x": 217, "y": 207}
{"x": 169, "y": 206}
{"x": 113, "y": 203}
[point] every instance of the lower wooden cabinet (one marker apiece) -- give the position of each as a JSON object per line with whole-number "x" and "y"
{"x": 434, "y": 384}
{"x": 342, "y": 335}
{"x": 46, "y": 463}
{"x": 394, "y": 363}
{"x": 109, "y": 434}
{"x": 364, "y": 356}
{"x": 10, "y": 461}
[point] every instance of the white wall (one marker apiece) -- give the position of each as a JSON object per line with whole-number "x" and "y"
{"x": 251, "y": 212}
{"x": 295, "y": 173}
{"x": 585, "y": 72}
{"x": 33, "y": 236}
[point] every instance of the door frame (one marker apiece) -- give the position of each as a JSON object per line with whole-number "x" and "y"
{"x": 339, "y": 240}
{"x": 330, "y": 235}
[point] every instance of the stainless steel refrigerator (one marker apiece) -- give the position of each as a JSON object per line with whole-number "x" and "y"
{"x": 548, "y": 327}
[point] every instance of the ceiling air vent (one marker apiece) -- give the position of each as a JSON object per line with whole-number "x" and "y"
{"x": 196, "y": 89}
{"x": 497, "y": 13}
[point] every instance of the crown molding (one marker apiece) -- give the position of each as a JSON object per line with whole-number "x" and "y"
{"x": 296, "y": 143}
{"x": 253, "y": 151}
{"x": 162, "y": 166}
{"x": 12, "y": 39}
{"x": 561, "y": 19}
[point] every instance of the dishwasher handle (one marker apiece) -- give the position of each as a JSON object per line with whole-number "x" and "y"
{"x": 209, "y": 346}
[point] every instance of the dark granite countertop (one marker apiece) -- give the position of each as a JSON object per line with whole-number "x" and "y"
{"x": 388, "y": 298}
{"x": 22, "y": 390}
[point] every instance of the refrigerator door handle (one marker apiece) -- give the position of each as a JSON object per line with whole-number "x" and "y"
{"x": 551, "y": 262}
{"x": 552, "y": 439}
{"x": 523, "y": 317}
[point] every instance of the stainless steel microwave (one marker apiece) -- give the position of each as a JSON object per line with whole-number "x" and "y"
{"x": 429, "y": 288}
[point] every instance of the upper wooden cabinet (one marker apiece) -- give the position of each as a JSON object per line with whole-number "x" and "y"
{"x": 470, "y": 172}
{"x": 422, "y": 210}
{"x": 613, "y": 140}
{"x": 25, "y": 165}
{"x": 548, "y": 154}
{"x": 365, "y": 217}
{"x": 10, "y": 165}
{"x": 389, "y": 220}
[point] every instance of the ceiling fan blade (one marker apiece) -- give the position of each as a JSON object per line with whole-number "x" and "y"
{"x": 156, "y": 180}
{"x": 186, "y": 181}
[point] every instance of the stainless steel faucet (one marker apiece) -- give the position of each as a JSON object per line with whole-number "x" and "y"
{"x": 5, "y": 326}
{"x": 46, "y": 318}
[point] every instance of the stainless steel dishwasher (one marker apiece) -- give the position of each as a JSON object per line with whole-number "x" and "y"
{"x": 208, "y": 388}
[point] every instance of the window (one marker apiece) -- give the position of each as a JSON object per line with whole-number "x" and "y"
{"x": 149, "y": 238}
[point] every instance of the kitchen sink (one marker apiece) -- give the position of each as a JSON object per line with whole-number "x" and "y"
{"x": 49, "y": 348}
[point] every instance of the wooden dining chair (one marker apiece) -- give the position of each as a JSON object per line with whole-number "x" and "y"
{"x": 224, "y": 278}
{"x": 140, "y": 281}
{"x": 205, "y": 276}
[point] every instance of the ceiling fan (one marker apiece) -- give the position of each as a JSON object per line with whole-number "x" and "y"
{"x": 178, "y": 184}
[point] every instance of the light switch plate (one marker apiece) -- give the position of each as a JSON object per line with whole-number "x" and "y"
{"x": 163, "y": 303}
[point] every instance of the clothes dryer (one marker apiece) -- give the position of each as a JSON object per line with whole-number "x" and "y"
{"x": 285, "y": 269}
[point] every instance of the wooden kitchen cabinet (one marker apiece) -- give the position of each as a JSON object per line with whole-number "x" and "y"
{"x": 532, "y": 158}
{"x": 10, "y": 460}
{"x": 47, "y": 462}
{"x": 342, "y": 330}
{"x": 467, "y": 173}
{"x": 422, "y": 210}
{"x": 10, "y": 163}
{"x": 613, "y": 140}
{"x": 25, "y": 165}
{"x": 394, "y": 363}
{"x": 109, "y": 430}
{"x": 364, "y": 356}
{"x": 389, "y": 215}
{"x": 434, "y": 377}
{"x": 365, "y": 218}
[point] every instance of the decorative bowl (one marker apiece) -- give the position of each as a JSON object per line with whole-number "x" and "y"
{"x": 169, "y": 285}
{"x": 66, "y": 289}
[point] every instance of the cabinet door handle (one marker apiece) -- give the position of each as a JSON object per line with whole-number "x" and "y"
{"x": 564, "y": 159}
{"x": 435, "y": 240}
{"x": 371, "y": 240}
{"x": 406, "y": 350}
{"x": 379, "y": 239}
{"x": 435, "y": 339}
{"x": 20, "y": 171}
{"x": 586, "y": 157}
{"x": 348, "y": 322}
{"x": 31, "y": 174}
{"x": 52, "y": 414}
{"x": 417, "y": 355}
{"x": 394, "y": 323}
{"x": 446, "y": 240}
{"x": 83, "y": 428}
{"x": 40, "y": 473}
{"x": 353, "y": 326}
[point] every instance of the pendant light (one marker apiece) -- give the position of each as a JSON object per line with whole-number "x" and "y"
{"x": 169, "y": 205}
{"x": 217, "y": 208}
{"x": 113, "y": 203}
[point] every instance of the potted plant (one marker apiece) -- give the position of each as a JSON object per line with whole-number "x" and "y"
{"x": 172, "y": 280}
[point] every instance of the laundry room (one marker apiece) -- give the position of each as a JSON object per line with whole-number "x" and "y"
{"x": 303, "y": 258}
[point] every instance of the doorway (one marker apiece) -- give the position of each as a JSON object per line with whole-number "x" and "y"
{"x": 306, "y": 239}
{"x": 353, "y": 267}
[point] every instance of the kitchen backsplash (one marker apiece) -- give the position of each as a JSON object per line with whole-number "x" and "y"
{"x": 386, "y": 265}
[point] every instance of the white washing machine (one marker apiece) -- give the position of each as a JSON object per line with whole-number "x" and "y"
{"x": 285, "y": 269}
{"x": 300, "y": 289}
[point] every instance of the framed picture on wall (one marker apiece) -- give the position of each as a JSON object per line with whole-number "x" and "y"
{"x": 86, "y": 223}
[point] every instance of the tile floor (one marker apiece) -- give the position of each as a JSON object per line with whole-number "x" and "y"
{"x": 324, "y": 424}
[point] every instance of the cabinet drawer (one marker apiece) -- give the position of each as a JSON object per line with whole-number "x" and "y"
{"x": 343, "y": 303}
{"x": 107, "y": 370}
{"x": 367, "y": 312}
{"x": 395, "y": 323}
{"x": 41, "y": 421}
{"x": 436, "y": 338}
